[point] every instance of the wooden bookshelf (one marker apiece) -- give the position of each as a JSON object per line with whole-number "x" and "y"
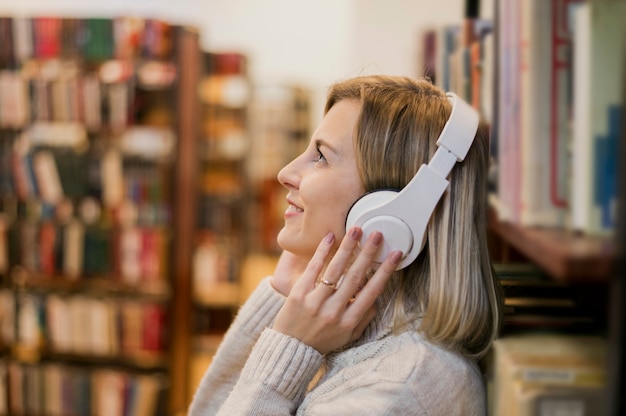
{"x": 95, "y": 264}
{"x": 564, "y": 255}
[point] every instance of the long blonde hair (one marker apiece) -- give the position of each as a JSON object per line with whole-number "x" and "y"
{"x": 450, "y": 289}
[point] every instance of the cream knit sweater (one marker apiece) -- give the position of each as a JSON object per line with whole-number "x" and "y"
{"x": 258, "y": 371}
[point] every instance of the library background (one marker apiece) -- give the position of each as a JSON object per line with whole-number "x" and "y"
{"x": 139, "y": 205}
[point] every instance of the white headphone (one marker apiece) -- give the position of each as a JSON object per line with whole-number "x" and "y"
{"x": 402, "y": 216}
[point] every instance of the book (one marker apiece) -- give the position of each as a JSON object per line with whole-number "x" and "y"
{"x": 144, "y": 394}
{"x": 16, "y": 390}
{"x": 33, "y": 389}
{"x": 536, "y": 373}
{"x": 127, "y": 32}
{"x": 46, "y": 36}
{"x": 597, "y": 107}
{"x": 14, "y": 100}
{"x": 429, "y": 55}
{"x": 7, "y": 318}
{"x": 99, "y": 39}
{"x": 108, "y": 387}
{"x": 154, "y": 319}
{"x": 508, "y": 123}
{"x": 71, "y": 34}
{"x": 101, "y": 312}
{"x": 58, "y": 324}
{"x": 4, "y": 244}
{"x": 22, "y": 38}
{"x": 47, "y": 177}
{"x": 4, "y": 388}
{"x": 7, "y": 54}
{"x": 53, "y": 382}
{"x": 534, "y": 135}
{"x": 487, "y": 78}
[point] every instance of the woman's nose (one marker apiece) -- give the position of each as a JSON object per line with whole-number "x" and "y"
{"x": 287, "y": 176}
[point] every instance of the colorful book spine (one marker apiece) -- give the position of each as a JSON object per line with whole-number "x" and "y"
{"x": 597, "y": 108}
{"x": 544, "y": 77}
{"x": 509, "y": 123}
{"x": 99, "y": 39}
{"x": 46, "y": 37}
{"x": 7, "y": 52}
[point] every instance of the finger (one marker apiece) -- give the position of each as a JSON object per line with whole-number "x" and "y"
{"x": 355, "y": 276}
{"x": 374, "y": 287}
{"x": 343, "y": 256}
{"x": 309, "y": 278}
{"x": 363, "y": 323}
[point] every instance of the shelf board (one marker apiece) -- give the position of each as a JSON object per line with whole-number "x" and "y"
{"x": 564, "y": 255}
{"x": 157, "y": 290}
{"x": 143, "y": 359}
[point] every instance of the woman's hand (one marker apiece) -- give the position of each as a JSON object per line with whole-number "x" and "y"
{"x": 326, "y": 313}
{"x": 288, "y": 270}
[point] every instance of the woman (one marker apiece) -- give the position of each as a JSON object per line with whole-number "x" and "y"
{"x": 333, "y": 331}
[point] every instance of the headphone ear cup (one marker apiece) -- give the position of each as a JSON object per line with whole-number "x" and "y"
{"x": 368, "y": 202}
{"x": 397, "y": 234}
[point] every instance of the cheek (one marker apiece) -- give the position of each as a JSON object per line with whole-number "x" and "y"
{"x": 333, "y": 207}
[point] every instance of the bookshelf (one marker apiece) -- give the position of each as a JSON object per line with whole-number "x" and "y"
{"x": 97, "y": 125}
{"x": 534, "y": 71}
{"x": 246, "y": 135}
{"x": 223, "y": 186}
{"x": 617, "y": 286}
{"x": 219, "y": 239}
{"x": 565, "y": 255}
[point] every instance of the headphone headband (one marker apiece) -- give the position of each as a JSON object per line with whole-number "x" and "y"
{"x": 402, "y": 216}
{"x": 456, "y": 137}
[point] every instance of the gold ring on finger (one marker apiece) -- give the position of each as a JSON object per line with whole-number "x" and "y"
{"x": 328, "y": 283}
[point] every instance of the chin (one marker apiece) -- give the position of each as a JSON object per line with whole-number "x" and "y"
{"x": 294, "y": 243}
{"x": 285, "y": 240}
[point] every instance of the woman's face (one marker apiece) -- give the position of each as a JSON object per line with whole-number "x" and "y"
{"x": 322, "y": 183}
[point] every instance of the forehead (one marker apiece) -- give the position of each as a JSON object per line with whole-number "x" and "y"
{"x": 338, "y": 125}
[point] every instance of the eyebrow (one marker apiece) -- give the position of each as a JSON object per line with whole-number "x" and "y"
{"x": 322, "y": 143}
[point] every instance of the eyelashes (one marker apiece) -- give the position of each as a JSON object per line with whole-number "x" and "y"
{"x": 320, "y": 156}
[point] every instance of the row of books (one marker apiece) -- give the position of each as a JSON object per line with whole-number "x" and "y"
{"x": 130, "y": 189}
{"x": 58, "y": 389}
{"x": 65, "y": 98}
{"x": 533, "y": 301}
{"x": 547, "y": 76}
{"x": 551, "y": 355}
{"x": 548, "y": 374}
{"x": 90, "y": 39}
{"x": 36, "y": 325}
{"x": 134, "y": 256}
{"x": 110, "y": 97}
{"x": 224, "y": 96}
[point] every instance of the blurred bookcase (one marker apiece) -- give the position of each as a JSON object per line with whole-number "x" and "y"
{"x": 247, "y": 132}
{"x": 97, "y": 124}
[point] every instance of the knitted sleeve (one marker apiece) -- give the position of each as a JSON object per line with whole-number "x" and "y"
{"x": 255, "y": 315}
{"x": 275, "y": 377}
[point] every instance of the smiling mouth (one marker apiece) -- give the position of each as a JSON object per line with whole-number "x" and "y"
{"x": 293, "y": 208}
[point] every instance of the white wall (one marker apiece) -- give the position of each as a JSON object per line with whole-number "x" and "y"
{"x": 309, "y": 42}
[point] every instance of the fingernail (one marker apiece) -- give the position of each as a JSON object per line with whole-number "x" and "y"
{"x": 376, "y": 237}
{"x": 355, "y": 233}
{"x": 330, "y": 237}
{"x": 395, "y": 257}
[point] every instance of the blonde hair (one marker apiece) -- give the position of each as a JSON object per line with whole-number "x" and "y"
{"x": 450, "y": 289}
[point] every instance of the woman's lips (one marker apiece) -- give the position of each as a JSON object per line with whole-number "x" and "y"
{"x": 292, "y": 209}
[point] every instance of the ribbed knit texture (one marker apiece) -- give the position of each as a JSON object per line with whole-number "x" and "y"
{"x": 380, "y": 374}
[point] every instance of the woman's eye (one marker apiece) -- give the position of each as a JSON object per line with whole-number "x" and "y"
{"x": 320, "y": 156}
